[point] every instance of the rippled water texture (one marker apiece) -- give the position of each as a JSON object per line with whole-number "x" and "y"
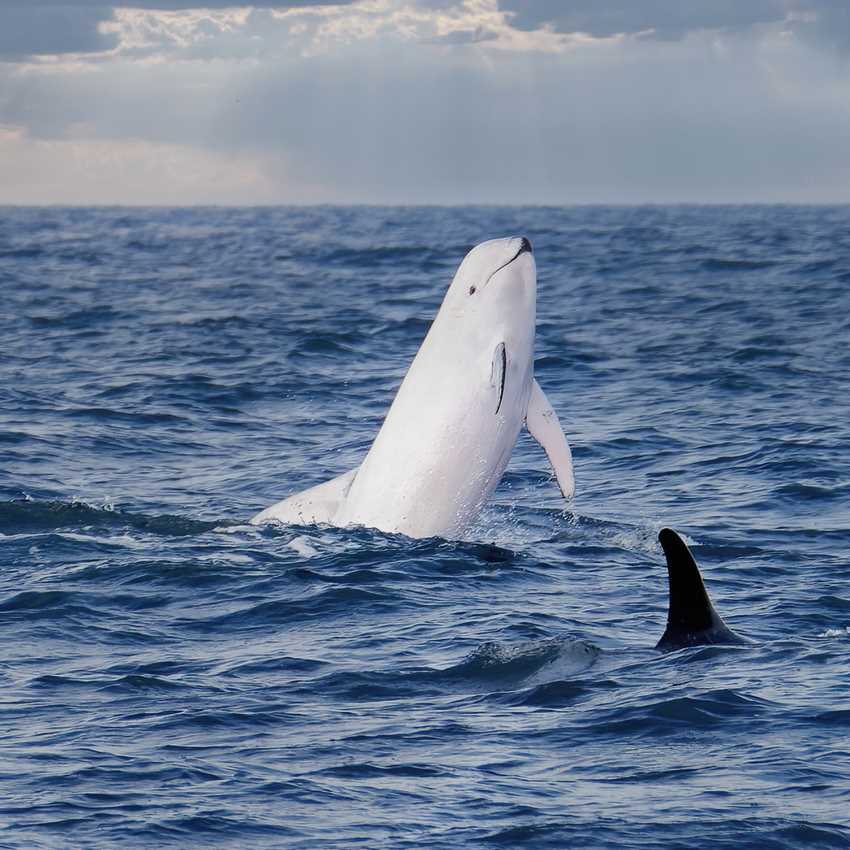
{"x": 172, "y": 677}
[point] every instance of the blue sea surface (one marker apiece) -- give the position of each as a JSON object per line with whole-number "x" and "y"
{"x": 174, "y": 677}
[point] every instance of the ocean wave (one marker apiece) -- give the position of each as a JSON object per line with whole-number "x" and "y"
{"x": 32, "y": 515}
{"x": 173, "y": 676}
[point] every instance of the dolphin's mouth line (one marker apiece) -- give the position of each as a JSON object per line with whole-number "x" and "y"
{"x": 523, "y": 249}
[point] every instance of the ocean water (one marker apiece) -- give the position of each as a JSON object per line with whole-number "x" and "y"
{"x": 172, "y": 677}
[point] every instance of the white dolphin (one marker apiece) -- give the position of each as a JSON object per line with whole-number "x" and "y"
{"x": 450, "y": 431}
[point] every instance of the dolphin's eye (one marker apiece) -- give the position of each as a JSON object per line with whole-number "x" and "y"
{"x": 472, "y": 290}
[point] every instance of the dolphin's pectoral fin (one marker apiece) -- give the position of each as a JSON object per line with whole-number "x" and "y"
{"x": 542, "y": 423}
{"x": 691, "y": 618}
{"x": 316, "y": 505}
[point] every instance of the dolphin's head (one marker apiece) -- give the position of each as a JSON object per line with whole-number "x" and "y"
{"x": 489, "y": 314}
{"x": 495, "y": 285}
{"x": 508, "y": 263}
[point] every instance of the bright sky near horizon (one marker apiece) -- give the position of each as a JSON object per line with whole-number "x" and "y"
{"x": 424, "y": 101}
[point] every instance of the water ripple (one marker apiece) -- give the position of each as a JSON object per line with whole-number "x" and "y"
{"x": 175, "y": 677}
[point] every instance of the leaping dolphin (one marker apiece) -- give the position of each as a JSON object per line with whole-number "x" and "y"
{"x": 449, "y": 433}
{"x": 691, "y": 618}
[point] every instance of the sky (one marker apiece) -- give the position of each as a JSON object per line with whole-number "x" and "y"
{"x": 424, "y": 101}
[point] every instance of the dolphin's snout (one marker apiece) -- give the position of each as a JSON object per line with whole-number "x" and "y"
{"x": 502, "y": 251}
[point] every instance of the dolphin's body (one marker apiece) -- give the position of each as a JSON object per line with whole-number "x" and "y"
{"x": 691, "y": 618}
{"x": 453, "y": 424}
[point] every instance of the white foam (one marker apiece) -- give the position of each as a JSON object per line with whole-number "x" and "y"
{"x": 37, "y": 535}
{"x": 231, "y": 557}
{"x": 302, "y": 546}
{"x": 236, "y": 529}
{"x": 119, "y": 540}
{"x": 573, "y": 657}
{"x": 644, "y": 537}
{"x": 105, "y": 504}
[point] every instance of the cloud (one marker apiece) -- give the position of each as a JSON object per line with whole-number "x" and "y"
{"x": 464, "y": 36}
{"x": 28, "y": 28}
{"x": 183, "y": 5}
{"x": 394, "y": 119}
{"x": 665, "y": 19}
{"x": 395, "y": 101}
{"x": 93, "y": 171}
{"x": 56, "y": 27}
{"x": 820, "y": 21}
{"x": 825, "y": 22}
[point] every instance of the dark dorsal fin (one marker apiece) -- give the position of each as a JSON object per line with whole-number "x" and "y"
{"x": 691, "y": 618}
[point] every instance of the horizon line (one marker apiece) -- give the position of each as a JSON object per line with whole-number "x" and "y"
{"x": 449, "y": 205}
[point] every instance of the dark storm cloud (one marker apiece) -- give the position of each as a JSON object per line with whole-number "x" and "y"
{"x": 824, "y": 21}
{"x": 27, "y": 28}
{"x": 32, "y": 27}
{"x": 170, "y": 5}
{"x": 179, "y": 5}
{"x": 669, "y": 19}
